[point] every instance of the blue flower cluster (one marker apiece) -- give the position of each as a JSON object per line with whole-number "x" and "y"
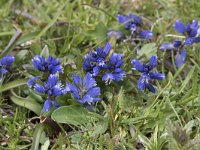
{"x": 191, "y": 35}
{"x": 51, "y": 65}
{"x": 97, "y": 61}
{"x": 84, "y": 91}
{"x": 53, "y": 86}
{"x": 133, "y": 23}
{"x": 5, "y": 64}
{"x": 147, "y": 75}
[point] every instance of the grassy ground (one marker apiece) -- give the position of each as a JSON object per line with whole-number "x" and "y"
{"x": 169, "y": 119}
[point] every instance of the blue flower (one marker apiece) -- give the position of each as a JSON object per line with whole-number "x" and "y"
{"x": 147, "y": 75}
{"x": 31, "y": 82}
{"x": 180, "y": 58}
{"x": 5, "y": 64}
{"x": 52, "y": 88}
{"x": 84, "y": 91}
{"x": 190, "y": 31}
{"x": 95, "y": 61}
{"x": 130, "y": 22}
{"x": 115, "y": 72}
{"x": 51, "y": 65}
{"x": 48, "y": 103}
{"x": 146, "y": 34}
{"x": 133, "y": 23}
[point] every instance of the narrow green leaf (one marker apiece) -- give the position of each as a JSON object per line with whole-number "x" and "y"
{"x": 27, "y": 103}
{"x": 12, "y": 84}
{"x": 37, "y": 135}
{"x": 45, "y": 52}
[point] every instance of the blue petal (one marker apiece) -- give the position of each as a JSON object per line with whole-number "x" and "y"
{"x": 56, "y": 105}
{"x": 94, "y": 92}
{"x": 180, "y": 59}
{"x": 155, "y": 75}
{"x": 118, "y": 76}
{"x": 56, "y": 91}
{"x": 3, "y": 71}
{"x": 54, "y": 69}
{"x": 141, "y": 83}
{"x": 188, "y": 28}
{"x": 137, "y": 65}
{"x": 31, "y": 82}
{"x": 166, "y": 46}
{"x": 194, "y": 24}
{"x": 7, "y": 60}
{"x": 122, "y": 19}
{"x": 153, "y": 62}
{"x": 196, "y": 39}
{"x": 189, "y": 41}
{"x": 77, "y": 80}
{"x": 87, "y": 66}
{"x": 177, "y": 43}
{"x": 150, "y": 87}
{"x": 193, "y": 33}
{"x": 39, "y": 63}
{"x": 39, "y": 88}
{"x": 107, "y": 48}
{"x": 89, "y": 82}
{"x": 146, "y": 34}
{"x": 179, "y": 26}
{"x": 74, "y": 90}
{"x": 52, "y": 80}
{"x": 108, "y": 77}
{"x": 136, "y": 18}
{"x": 116, "y": 60}
{"x": 96, "y": 71}
{"x": 47, "y": 105}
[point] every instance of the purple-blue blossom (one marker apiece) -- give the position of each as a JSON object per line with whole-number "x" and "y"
{"x": 52, "y": 88}
{"x": 133, "y": 23}
{"x": 115, "y": 72}
{"x": 5, "y": 64}
{"x": 84, "y": 91}
{"x": 190, "y": 31}
{"x": 95, "y": 61}
{"x": 51, "y": 65}
{"x": 147, "y": 74}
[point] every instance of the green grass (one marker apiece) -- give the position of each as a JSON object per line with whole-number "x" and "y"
{"x": 169, "y": 119}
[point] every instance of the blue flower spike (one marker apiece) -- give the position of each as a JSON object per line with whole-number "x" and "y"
{"x": 96, "y": 61}
{"x": 84, "y": 91}
{"x": 52, "y": 88}
{"x": 5, "y": 64}
{"x": 115, "y": 72}
{"x": 133, "y": 23}
{"x": 147, "y": 74}
{"x": 51, "y": 65}
{"x": 190, "y": 31}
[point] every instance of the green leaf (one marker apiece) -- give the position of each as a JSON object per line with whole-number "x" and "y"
{"x": 147, "y": 50}
{"x": 27, "y": 103}
{"x": 45, "y": 52}
{"x": 74, "y": 115}
{"x": 37, "y": 136}
{"x": 12, "y": 84}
